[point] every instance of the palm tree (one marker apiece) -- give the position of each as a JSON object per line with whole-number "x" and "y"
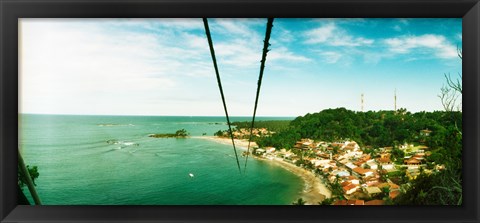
{"x": 327, "y": 201}
{"x": 385, "y": 191}
{"x": 181, "y": 133}
{"x": 300, "y": 201}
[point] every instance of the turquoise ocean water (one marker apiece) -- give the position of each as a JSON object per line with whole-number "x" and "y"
{"x": 110, "y": 160}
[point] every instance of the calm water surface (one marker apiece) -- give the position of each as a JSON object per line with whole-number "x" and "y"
{"x": 111, "y": 160}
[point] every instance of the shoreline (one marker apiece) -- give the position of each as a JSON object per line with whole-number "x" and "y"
{"x": 314, "y": 190}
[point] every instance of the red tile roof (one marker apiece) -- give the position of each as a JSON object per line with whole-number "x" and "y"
{"x": 340, "y": 202}
{"x": 359, "y": 163}
{"x": 361, "y": 170}
{"x": 375, "y": 202}
{"x": 384, "y": 160}
{"x": 349, "y": 148}
{"x": 349, "y": 187}
{"x": 412, "y": 161}
{"x": 393, "y": 186}
{"x": 355, "y": 202}
{"x": 352, "y": 178}
{"x": 394, "y": 194}
{"x": 359, "y": 202}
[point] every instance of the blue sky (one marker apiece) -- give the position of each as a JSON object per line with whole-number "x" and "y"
{"x": 163, "y": 66}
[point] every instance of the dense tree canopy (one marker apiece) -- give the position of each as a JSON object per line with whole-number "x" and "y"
{"x": 440, "y": 131}
{"x": 376, "y": 129}
{"x": 272, "y": 125}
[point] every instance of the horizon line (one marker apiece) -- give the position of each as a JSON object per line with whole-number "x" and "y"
{"x": 169, "y": 115}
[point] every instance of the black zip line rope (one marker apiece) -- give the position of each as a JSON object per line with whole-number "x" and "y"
{"x": 212, "y": 51}
{"x": 262, "y": 67}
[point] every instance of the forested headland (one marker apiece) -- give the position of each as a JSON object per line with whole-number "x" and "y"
{"x": 440, "y": 132}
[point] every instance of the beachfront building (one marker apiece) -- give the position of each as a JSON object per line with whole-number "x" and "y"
{"x": 412, "y": 162}
{"x": 352, "y": 180}
{"x": 360, "y": 172}
{"x": 375, "y": 202}
{"x": 393, "y": 188}
{"x": 385, "y": 162}
{"x": 371, "y": 164}
{"x": 359, "y": 202}
{"x": 372, "y": 191}
{"x": 351, "y": 166}
{"x": 259, "y": 151}
{"x": 270, "y": 150}
{"x": 287, "y": 155}
{"x": 412, "y": 172}
{"x": 321, "y": 163}
{"x": 305, "y": 144}
{"x": 349, "y": 202}
{"x": 350, "y": 188}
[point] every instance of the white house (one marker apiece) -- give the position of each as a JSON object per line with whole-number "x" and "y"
{"x": 351, "y": 166}
{"x": 350, "y": 188}
{"x": 270, "y": 150}
{"x": 259, "y": 151}
{"x": 372, "y": 190}
{"x": 373, "y": 165}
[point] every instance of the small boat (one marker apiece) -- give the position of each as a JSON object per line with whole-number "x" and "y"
{"x": 191, "y": 174}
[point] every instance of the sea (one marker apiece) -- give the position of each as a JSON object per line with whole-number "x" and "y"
{"x": 111, "y": 160}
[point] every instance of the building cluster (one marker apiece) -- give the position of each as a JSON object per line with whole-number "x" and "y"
{"x": 364, "y": 178}
{"x": 244, "y": 133}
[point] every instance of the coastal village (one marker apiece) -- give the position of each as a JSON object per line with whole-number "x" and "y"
{"x": 354, "y": 175}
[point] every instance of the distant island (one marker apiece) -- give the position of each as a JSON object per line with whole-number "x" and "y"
{"x": 182, "y": 133}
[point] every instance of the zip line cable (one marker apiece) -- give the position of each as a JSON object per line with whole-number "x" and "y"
{"x": 262, "y": 67}
{"x": 212, "y": 51}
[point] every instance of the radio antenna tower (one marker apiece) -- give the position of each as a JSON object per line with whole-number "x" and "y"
{"x": 362, "y": 101}
{"x": 395, "y": 100}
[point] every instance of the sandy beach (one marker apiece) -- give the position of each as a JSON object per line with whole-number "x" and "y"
{"x": 314, "y": 190}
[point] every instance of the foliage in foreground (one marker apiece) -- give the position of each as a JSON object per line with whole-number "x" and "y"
{"x": 33, "y": 171}
{"x": 442, "y": 188}
{"x": 300, "y": 201}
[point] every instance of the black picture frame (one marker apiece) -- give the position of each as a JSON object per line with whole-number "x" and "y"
{"x": 12, "y": 10}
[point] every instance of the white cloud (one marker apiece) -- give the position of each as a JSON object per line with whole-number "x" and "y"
{"x": 422, "y": 44}
{"x": 333, "y": 35}
{"x": 235, "y": 28}
{"x": 330, "y": 57}
{"x": 71, "y": 67}
{"x": 180, "y": 23}
{"x": 321, "y": 34}
{"x": 283, "y": 35}
{"x": 242, "y": 45}
{"x": 283, "y": 54}
{"x": 152, "y": 24}
{"x": 239, "y": 53}
{"x": 196, "y": 41}
{"x": 132, "y": 66}
{"x": 123, "y": 66}
{"x": 346, "y": 40}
